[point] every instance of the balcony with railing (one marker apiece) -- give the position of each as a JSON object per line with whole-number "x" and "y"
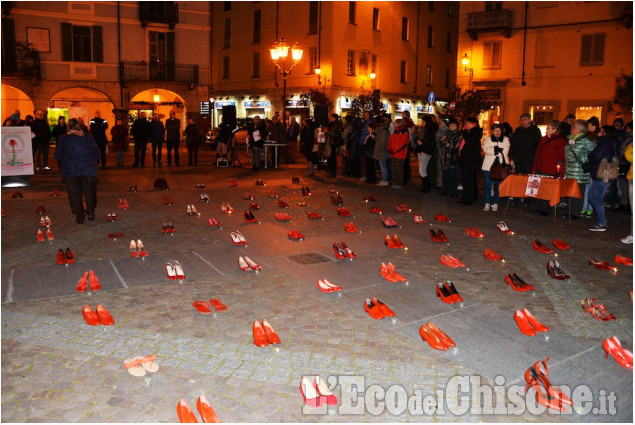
{"x": 490, "y": 21}
{"x": 158, "y": 71}
{"x": 163, "y": 12}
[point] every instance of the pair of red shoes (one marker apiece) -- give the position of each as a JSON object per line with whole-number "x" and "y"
{"x": 249, "y": 217}
{"x": 247, "y": 264}
{"x": 376, "y": 309}
{"x": 623, "y": 260}
{"x": 369, "y": 198}
{"x": 555, "y": 271}
{"x": 439, "y": 236}
{"x": 137, "y": 249}
{"x": 123, "y": 204}
{"x": 102, "y": 317}
{"x": 450, "y": 261}
{"x": 325, "y": 286}
{"x": 315, "y": 392}
{"x": 517, "y": 283}
{"x": 560, "y": 244}
{"x": 389, "y": 222}
{"x": 201, "y": 186}
{"x": 233, "y": 182}
{"x": 538, "y": 246}
{"x": 313, "y": 215}
{"x": 45, "y": 221}
{"x": 502, "y": 226}
{"x": 254, "y": 206}
{"x": 402, "y": 207}
{"x": 112, "y": 217}
{"x": 394, "y": 242}
{"x": 342, "y": 251}
{"x": 225, "y": 208}
{"x": 186, "y": 415}
{"x": 389, "y": 272}
{"x": 418, "y": 219}
{"x": 598, "y": 311}
{"x": 344, "y": 212}
{"x": 249, "y": 195}
{"x": 282, "y": 217}
{"x": 212, "y": 222}
{"x": 204, "y": 308}
{"x": 448, "y": 293}
{"x": 17, "y": 195}
{"x": 490, "y": 254}
{"x": 622, "y": 356}
{"x": 49, "y": 235}
{"x": 295, "y": 180}
{"x": 547, "y": 395}
{"x": 435, "y": 337}
{"x": 527, "y": 323}
{"x": 350, "y": 228}
{"x": 191, "y": 210}
{"x": 264, "y": 334}
{"x": 115, "y": 235}
{"x": 65, "y": 257}
{"x": 282, "y": 204}
{"x": 602, "y": 265}
{"x": 174, "y": 271}
{"x": 132, "y": 189}
{"x": 336, "y": 200}
{"x": 238, "y": 239}
{"x": 376, "y": 210}
{"x": 88, "y": 277}
{"x": 40, "y": 210}
{"x": 168, "y": 228}
{"x": 306, "y": 191}
{"x": 474, "y": 232}
{"x": 441, "y": 217}
{"x": 260, "y": 182}
{"x": 295, "y": 235}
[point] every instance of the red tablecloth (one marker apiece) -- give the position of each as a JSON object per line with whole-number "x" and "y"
{"x": 550, "y": 189}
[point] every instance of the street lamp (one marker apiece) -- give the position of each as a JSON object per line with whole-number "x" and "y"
{"x": 280, "y": 57}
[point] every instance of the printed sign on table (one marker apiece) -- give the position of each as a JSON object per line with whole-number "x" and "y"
{"x": 17, "y": 157}
{"x": 533, "y": 184}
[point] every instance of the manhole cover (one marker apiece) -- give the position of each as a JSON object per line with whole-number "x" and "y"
{"x": 309, "y": 258}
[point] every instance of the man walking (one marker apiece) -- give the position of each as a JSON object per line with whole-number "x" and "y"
{"x": 98, "y": 127}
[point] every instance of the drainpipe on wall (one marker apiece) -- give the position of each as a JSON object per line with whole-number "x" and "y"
{"x": 119, "y": 58}
{"x": 523, "y": 82}
{"x": 211, "y": 61}
{"x": 417, "y": 48}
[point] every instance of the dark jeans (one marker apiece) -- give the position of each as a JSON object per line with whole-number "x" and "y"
{"x": 331, "y": 162}
{"x": 371, "y": 170}
{"x": 173, "y": 144}
{"x": 139, "y": 153}
{"x": 596, "y": 199}
{"x": 469, "y": 179}
{"x": 192, "y": 153}
{"x": 576, "y": 203}
{"x": 450, "y": 178}
{"x": 157, "y": 146}
{"x": 42, "y": 155}
{"x": 78, "y": 186}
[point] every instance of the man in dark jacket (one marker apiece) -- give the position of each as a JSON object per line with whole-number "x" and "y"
{"x": 141, "y": 132}
{"x": 98, "y": 127}
{"x": 157, "y": 134}
{"x": 173, "y": 136}
{"x": 293, "y": 132}
{"x": 470, "y": 159}
{"x": 257, "y": 132}
{"x": 42, "y": 139}
{"x": 523, "y": 145}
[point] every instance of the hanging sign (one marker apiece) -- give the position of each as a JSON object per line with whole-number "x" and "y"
{"x": 431, "y": 97}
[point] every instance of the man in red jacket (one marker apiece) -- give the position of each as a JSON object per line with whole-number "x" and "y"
{"x": 549, "y": 159}
{"x": 397, "y": 149}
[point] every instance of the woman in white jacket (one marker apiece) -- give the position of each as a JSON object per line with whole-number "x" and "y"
{"x": 495, "y": 146}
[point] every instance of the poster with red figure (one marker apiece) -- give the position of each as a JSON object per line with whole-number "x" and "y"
{"x": 17, "y": 156}
{"x": 533, "y": 184}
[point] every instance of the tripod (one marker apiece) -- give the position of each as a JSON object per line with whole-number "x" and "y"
{"x": 234, "y": 161}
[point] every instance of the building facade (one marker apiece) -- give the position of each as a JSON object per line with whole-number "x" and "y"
{"x": 403, "y": 49}
{"x": 546, "y": 58}
{"x": 73, "y": 58}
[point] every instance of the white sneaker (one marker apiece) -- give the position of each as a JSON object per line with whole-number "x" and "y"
{"x": 628, "y": 239}
{"x": 382, "y": 183}
{"x": 363, "y": 179}
{"x": 486, "y": 207}
{"x": 495, "y": 207}
{"x": 459, "y": 187}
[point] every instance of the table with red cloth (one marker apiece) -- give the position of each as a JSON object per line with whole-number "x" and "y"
{"x": 550, "y": 189}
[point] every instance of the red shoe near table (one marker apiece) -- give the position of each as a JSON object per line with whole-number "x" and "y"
{"x": 538, "y": 246}
{"x": 503, "y": 227}
{"x": 620, "y": 259}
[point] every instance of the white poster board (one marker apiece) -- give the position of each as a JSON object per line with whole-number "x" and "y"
{"x": 533, "y": 184}
{"x": 17, "y": 156}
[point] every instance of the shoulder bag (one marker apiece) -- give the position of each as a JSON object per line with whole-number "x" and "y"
{"x": 608, "y": 171}
{"x": 499, "y": 171}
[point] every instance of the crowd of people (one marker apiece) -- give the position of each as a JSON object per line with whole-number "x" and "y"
{"x": 449, "y": 157}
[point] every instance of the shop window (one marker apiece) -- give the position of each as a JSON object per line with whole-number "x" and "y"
{"x": 376, "y": 19}
{"x": 430, "y": 36}
{"x": 228, "y": 24}
{"x": 448, "y": 43}
{"x": 586, "y": 112}
{"x": 350, "y": 63}
{"x": 429, "y": 75}
{"x": 492, "y": 54}
{"x": 82, "y": 43}
{"x": 541, "y": 115}
{"x": 313, "y": 17}
{"x": 403, "y": 73}
{"x": 257, "y": 16}
{"x": 447, "y": 79}
{"x": 405, "y": 28}
{"x": 352, "y": 11}
{"x": 226, "y": 67}
{"x": 313, "y": 59}
{"x": 592, "y": 49}
{"x": 255, "y": 65}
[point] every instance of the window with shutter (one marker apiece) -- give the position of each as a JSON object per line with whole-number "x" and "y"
{"x": 9, "y": 55}
{"x": 226, "y": 67}
{"x": 67, "y": 42}
{"x": 404, "y": 29}
{"x": 256, "y": 65}
{"x": 256, "y": 37}
{"x": 227, "y": 33}
{"x": 350, "y": 63}
{"x": 313, "y": 17}
{"x": 592, "y": 49}
{"x": 492, "y": 54}
{"x": 98, "y": 44}
{"x": 170, "y": 47}
{"x": 403, "y": 72}
{"x": 352, "y": 9}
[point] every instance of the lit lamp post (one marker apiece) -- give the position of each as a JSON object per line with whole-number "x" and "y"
{"x": 280, "y": 56}
{"x": 465, "y": 61}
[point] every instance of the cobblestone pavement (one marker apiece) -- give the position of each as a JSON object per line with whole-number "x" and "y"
{"x": 57, "y": 368}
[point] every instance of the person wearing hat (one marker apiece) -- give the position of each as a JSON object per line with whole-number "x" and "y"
{"x": 79, "y": 155}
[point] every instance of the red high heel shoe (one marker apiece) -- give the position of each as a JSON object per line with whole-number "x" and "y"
{"x": 70, "y": 258}
{"x": 434, "y": 236}
{"x": 441, "y": 217}
{"x": 389, "y": 242}
{"x": 252, "y": 264}
{"x": 324, "y": 391}
{"x": 376, "y": 210}
{"x": 598, "y": 311}
{"x": 347, "y": 250}
{"x": 451, "y": 261}
{"x": 260, "y": 337}
{"x": 82, "y": 285}
{"x": 492, "y": 255}
{"x": 620, "y": 259}
{"x": 455, "y": 294}
{"x": 40, "y": 236}
{"x": 272, "y": 336}
{"x": 560, "y": 244}
{"x": 205, "y": 409}
{"x": 622, "y": 356}
{"x": 419, "y": 219}
{"x": 183, "y": 410}
{"x": 542, "y": 395}
{"x": 534, "y": 322}
{"x": 338, "y": 251}
{"x": 49, "y": 234}
{"x": 431, "y": 337}
{"x": 327, "y": 287}
{"x": 243, "y": 264}
{"x": 373, "y": 310}
{"x": 442, "y": 236}
{"x": 538, "y": 246}
{"x": 61, "y": 258}
{"x": 386, "y": 274}
{"x": 542, "y": 371}
{"x": 90, "y": 316}
{"x": 523, "y": 323}
{"x": 602, "y": 265}
{"x": 443, "y": 337}
{"x": 169, "y": 268}
{"x": 134, "y": 252}
{"x": 94, "y": 282}
{"x": 104, "y": 316}
{"x": 445, "y": 295}
{"x": 397, "y": 241}
{"x": 309, "y": 392}
{"x": 517, "y": 283}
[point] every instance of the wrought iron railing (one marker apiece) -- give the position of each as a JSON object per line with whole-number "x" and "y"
{"x": 159, "y": 71}
{"x": 22, "y": 67}
{"x": 489, "y": 20}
